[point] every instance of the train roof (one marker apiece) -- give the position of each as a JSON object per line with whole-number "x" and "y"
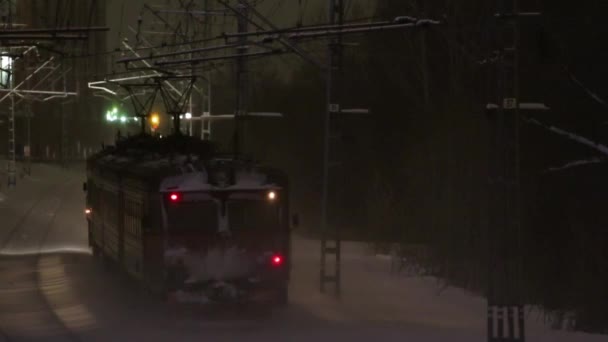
{"x": 183, "y": 162}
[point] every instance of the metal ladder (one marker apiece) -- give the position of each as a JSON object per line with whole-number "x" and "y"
{"x": 506, "y": 323}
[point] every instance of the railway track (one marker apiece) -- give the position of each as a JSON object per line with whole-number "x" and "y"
{"x": 25, "y": 270}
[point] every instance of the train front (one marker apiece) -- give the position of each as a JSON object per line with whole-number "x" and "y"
{"x": 225, "y": 237}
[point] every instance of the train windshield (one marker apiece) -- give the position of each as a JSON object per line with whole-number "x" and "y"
{"x": 199, "y": 216}
{"x": 253, "y": 215}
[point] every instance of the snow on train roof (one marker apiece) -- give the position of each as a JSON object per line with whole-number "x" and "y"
{"x": 149, "y": 160}
{"x": 182, "y": 163}
{"x": 149, "y": 149}
{"x": 199, "y": 181}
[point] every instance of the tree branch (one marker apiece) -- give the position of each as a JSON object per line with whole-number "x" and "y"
{"x": 575, "y": 163}
{"x": 603, "y": 149}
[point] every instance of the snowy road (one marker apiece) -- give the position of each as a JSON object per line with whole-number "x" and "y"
{"x": 52, "y": 289}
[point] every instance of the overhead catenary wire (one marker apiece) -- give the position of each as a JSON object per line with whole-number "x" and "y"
{"x": 214, "y": 58}
{"x": 118, "y": 50}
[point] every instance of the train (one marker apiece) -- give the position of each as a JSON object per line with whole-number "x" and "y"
{"x": 189, "y": 223}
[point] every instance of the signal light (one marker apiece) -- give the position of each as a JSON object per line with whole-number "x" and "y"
{"x": 88, "y": 211}
{"x": 113, "y": 115}
{"x": 277, "y": 260}
{"x": 154, "y": 121}
{"x": 174, "y": 197}
{"x": 272, "y": 195}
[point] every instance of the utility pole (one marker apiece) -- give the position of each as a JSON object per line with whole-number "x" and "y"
{"x": 242, "y": 79}
{"x": 330, "y": 238}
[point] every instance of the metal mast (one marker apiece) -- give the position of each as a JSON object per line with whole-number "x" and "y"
{"x": 242, "y": 78}
{"x": 64, "y": 125}
{"x": 205, "y": 122}
{"x": 7, "y": 11}
{"x": 506, "y": 321}
{"x": 12, "y": 167}
{"x": 330, "y": 239}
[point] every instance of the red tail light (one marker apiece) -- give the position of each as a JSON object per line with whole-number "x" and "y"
{"x": 277, "y": 260}
{"x": 174, "y": 197}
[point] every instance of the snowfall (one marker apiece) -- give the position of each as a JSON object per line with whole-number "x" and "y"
{"x": 52, "y": 289}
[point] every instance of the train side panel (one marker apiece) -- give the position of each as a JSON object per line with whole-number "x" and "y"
{"x": 134, "y": 204}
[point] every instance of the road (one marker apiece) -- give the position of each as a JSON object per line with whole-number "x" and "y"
{"x": 51, "y": 289}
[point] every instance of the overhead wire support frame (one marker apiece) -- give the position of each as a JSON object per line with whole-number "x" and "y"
{"x": 282, "y": 40}
{"x": 334, "y": 90}
{"x": 150, "y": 67}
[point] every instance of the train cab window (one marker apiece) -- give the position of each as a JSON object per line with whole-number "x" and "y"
{"x": 253, "y": 215}
{"x": 193, "y": 216}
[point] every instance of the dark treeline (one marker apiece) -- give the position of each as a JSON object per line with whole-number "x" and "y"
{"x": 415, "y": 171}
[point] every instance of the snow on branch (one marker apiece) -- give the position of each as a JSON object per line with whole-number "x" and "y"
{"x": 523, "y": 105}
{"x": 575, "y": 137}
{"x": 589, "y": 92}
{"x": 575, "y": 164}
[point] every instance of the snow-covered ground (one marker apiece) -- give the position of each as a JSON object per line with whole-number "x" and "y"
{"x": 52, "y": 289}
